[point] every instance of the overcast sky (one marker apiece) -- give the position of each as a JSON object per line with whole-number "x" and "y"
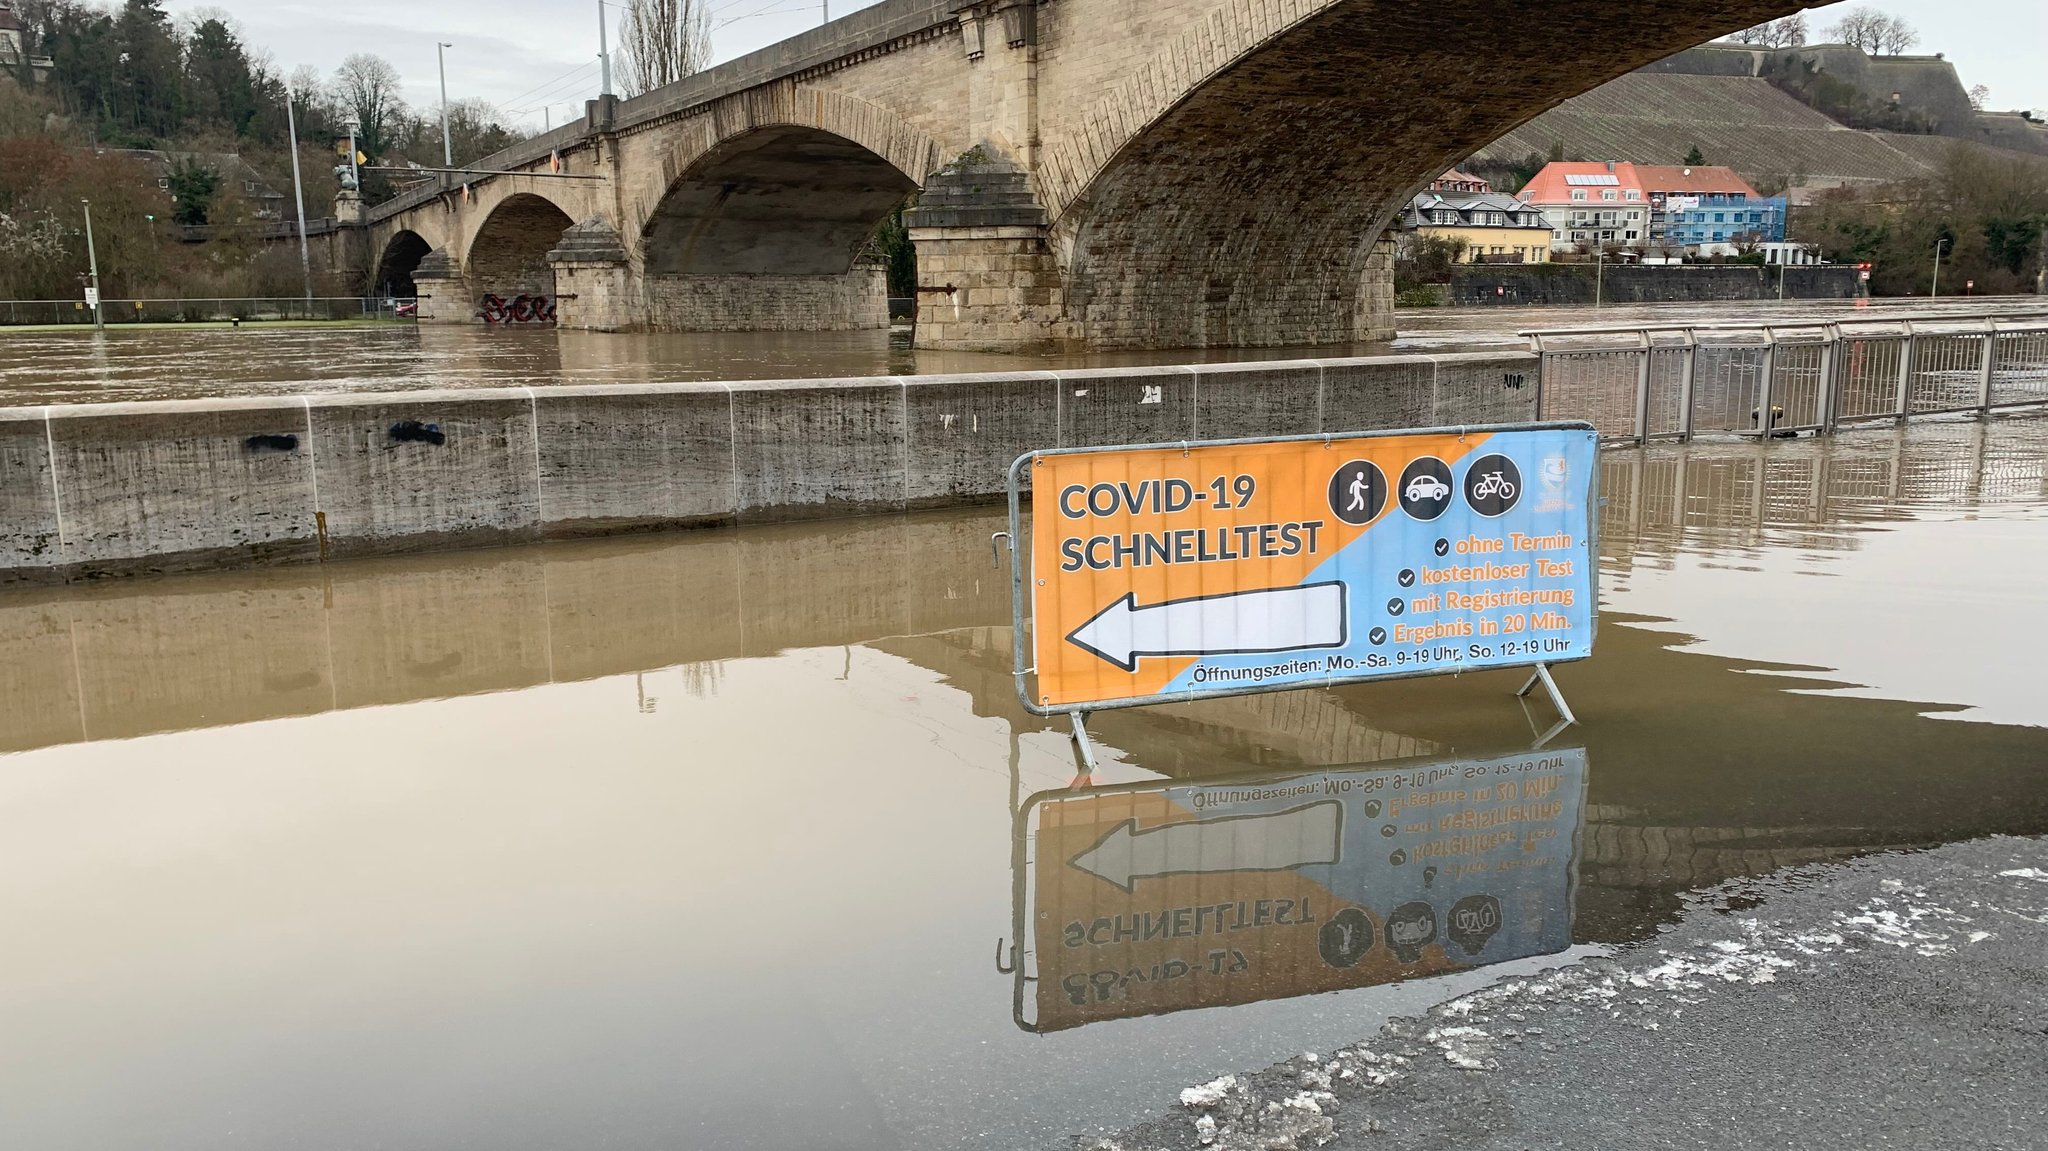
{"x": 527, "y": 55}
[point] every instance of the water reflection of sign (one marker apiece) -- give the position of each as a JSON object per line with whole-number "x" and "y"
{"x": 1162, "y": 897}
{"x": 1218, "y": 569}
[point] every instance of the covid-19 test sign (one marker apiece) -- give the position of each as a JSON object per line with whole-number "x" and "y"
{"x": 1175, "y": 572}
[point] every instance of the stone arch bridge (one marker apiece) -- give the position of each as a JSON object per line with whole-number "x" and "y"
{"x": 1099, "y": 173}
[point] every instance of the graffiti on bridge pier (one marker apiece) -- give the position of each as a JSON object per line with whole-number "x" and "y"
{"x": 520, "y": 309}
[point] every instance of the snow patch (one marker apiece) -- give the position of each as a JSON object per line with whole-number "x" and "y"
{"x": 2033, "y": 873}
{"x": 1208, "y": 1094}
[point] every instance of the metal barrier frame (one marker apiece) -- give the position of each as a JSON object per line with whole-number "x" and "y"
{"x": 1913, "y": 334}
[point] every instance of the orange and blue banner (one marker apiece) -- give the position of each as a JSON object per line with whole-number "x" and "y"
{"x": 1183, "y": 571}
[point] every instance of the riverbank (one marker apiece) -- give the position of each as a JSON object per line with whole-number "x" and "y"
{"x": 1897, "y": 1000}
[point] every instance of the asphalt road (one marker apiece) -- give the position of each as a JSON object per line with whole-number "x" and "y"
{"x": 1899, "y": 1000}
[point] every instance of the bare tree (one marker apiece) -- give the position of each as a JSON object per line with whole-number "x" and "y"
{"x": 1789, "y": 32}
{"x": 367, "y": 85}
{"x": 662, "y": 41}
{"x": 1897, "y": 35}
{"x": 1979, "y": 96}
{"x": 1862, "y": 26}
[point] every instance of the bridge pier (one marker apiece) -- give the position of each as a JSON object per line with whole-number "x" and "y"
{"x": 444, "y": 291}
{"x": 986, "y": 277}
{"x": 593, "y": 279}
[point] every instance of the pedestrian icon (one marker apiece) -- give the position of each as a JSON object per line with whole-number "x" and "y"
{"x": 1358, "y": 492}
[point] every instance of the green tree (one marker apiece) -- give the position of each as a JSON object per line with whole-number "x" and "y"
{"x": 220, "y": 85}
{"x": 1694, "y": 156}
{"x": 194, "y": 187}
{"x": 147, "y": 92}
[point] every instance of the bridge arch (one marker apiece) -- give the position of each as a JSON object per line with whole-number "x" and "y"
{"x": 1230, "y": 189}
{"x": 401, "y": 258}
{"x": 508, "y": 256}
{"x": 783, "y": 181}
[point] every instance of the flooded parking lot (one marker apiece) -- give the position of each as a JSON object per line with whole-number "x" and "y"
{"x": 731, "y": 839}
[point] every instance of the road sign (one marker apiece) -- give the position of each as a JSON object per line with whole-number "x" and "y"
{"x": 1183, "y": 571}
{"x": 1164, "y": 896}
{"x": 92, "y": 297}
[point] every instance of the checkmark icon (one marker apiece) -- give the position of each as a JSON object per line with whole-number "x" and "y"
{"x": 1395, "y": 606}
{"x": 1378, "y": 636}
{"x": 1443, "y": 547}
{"x": 1407, "y": 577}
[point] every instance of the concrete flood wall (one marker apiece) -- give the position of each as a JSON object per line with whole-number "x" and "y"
{"x": 115, "y": 489}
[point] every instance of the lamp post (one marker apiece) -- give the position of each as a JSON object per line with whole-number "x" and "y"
{"x": 291, "y": 129}
{"x": 604, "y": 52}
{"x": 92, "y": 257}
{"x": 1934, "y": 289}
{"x": 355, "y": 173}
{"x": 447, "y": 149}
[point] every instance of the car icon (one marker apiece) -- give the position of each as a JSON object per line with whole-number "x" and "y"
{"x": 1427, "y": 488}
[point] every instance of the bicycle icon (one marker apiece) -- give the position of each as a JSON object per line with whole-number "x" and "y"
{"x": 1494, "y": 485}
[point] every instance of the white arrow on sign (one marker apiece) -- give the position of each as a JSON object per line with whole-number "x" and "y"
{"x": 1234, "y": 623}
{"x": 1280, "y": 841}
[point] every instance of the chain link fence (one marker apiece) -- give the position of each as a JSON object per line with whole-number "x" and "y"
{"x": 193, "y": 311}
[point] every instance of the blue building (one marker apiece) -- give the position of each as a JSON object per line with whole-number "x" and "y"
{"x": 1716, "y": 220}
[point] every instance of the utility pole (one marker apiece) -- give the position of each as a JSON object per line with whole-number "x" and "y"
{"x": 93, "y": 259}
{"x": 447, "y": 149}
{"x": 1599, "y": 270}
{"x": 604, "y": 50}
{"x": 825, "y": 6}
{"x": 291, "y": 127}
{"x": 1935, "y": 288}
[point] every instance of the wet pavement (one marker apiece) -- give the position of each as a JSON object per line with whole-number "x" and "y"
{"x": 738, "y": 838}
{"x": 67, "y": 366}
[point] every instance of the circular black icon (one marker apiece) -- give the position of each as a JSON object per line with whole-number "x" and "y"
{"x": 1346, "y": 938}
{"x": 1372, "y": 808}
{"x": 1472, "y": 922}
{"x": 1426, "y": 488}
{"x": 1410, "y": 928}
{"x": 1398, "y": 858}
{"x": 1395, "y": 606}
{"x": 1407, "y": 577}
{"x": 1387, "y": 830}
{"x": 1493, "y": 484}
{"x": 1358, "y": 491}
{"x": 1377, "y": 635}
{"x": 1443, "y": 547}
{"x": 1429, "y": 877}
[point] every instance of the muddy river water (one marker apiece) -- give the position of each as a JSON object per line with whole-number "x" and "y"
{"x": 714, "y": 839}
{"x": 73, "y": 366}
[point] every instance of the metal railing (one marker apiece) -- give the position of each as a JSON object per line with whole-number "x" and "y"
{"x": 171, "y": 311}
{"x": 1641, "y": 383}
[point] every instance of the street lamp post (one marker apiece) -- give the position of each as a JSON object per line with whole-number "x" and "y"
{"x": 291, "y": 129}
{"x": 92, "y": 257}
{"x": 447, "y": 149}
{"x": 1934, "y": 289}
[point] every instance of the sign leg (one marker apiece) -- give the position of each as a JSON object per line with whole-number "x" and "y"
{"x": 1082, "y": 747}
{"x": 1542, "y": 676}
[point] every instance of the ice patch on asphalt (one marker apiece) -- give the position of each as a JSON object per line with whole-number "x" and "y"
{"x": 2033, "y": 873}
{"x": 1472, "y": 1032}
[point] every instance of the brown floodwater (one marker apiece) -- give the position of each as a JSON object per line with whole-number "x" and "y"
{"x": 712, "y": 839}
{"x": 74, "y": 366}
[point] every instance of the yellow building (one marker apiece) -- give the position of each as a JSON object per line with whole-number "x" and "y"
{"x": 1494, "y": 227}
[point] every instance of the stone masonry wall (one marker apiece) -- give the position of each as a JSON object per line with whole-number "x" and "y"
{"x": 115, "y": 489}
{"x": 748, "y": 303}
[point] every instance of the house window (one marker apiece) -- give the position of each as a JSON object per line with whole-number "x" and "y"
{"x": 1578, "y": 194}
{"x": 1720, "y": 217}
{"x": 248, "y": 185}
{"x": 1632, "y": 194}
{"x": 1720, "y": 236}
{"x": 1629, "y": 236}
{"x": 1609, "y": 196}
{"x": 163, "y": 181}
